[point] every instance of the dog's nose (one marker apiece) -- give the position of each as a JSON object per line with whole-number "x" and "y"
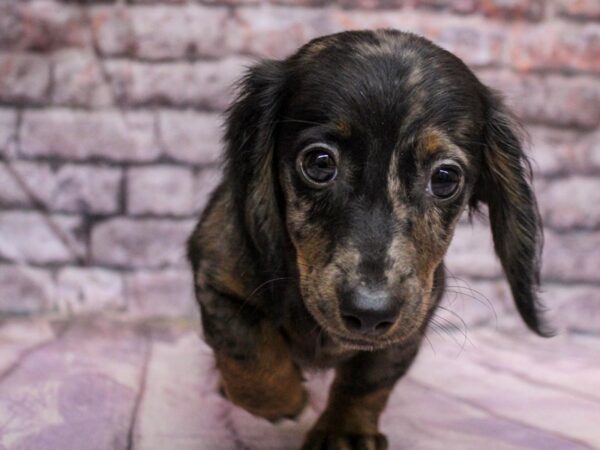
{"x": 368, "y": 311}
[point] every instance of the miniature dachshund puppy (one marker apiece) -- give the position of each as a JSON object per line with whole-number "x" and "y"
{"x": 347, "y": 166}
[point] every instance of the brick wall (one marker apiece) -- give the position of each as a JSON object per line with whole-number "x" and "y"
{"x": 109, "y": 138}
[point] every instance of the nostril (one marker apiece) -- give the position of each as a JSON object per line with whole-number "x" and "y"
{"x": 352, "y": 322}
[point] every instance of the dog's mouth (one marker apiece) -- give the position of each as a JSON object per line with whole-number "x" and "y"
{"x": 355, "y": 343}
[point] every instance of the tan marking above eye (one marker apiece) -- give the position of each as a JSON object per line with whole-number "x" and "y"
{"x": 431, "y": 141}
{"x": 343, "y": 128}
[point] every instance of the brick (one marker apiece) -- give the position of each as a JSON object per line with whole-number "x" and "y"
{"x": 574, "y": 307}
{"x": 205, "y": 85}
{"x": 88, "y": 289}
{"x": 161, "y": 32}
{"x": 405, "y": 20}
{"x": 10, "y": 192}
{"x": 33, "y": 237}
{"x": 275, "y": 31}
{"x": 24, "y": 78}
{"x": 566, "y": 256}
{"x": 191, "y": 137}
{"x": 149, "y": 243}
{"x": 588, "y": 151}
{"x": 512, "y": 9}
{"x": 78, "y": 80}
{"x": 160, "y": 190}
{"x": 42, "y": 25}
{"x": 112, "y": 31}
{"x": 471, "y": 252}
{"x": 550, "y": 99}
{"x": 571, "y": 256}
{"x": 10, "y": 24}
{"x": 564, "y": 152}
{"x": 175, "y": 2}
{"x": 552, "y": 151}
{"x": 82, "y": 135}
{"x": 206, "y": 182}
{"x": 497, "y": 9}
{"x": 8, "y": 131}
{"x": 557, "y": 46}
{"x": 478, "y": 44}
{"x": 460, "y": 6}
{"x": 344, "y": 3}
{"x": 25, "y": 290}
{"x": 165, "y": 32}
{"x": 567, "y": 203}
{"x": 162, "y": 293}
{"x": 69, "y": 188}
{"x": 579, "y": 9}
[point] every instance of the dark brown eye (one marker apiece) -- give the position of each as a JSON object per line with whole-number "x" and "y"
{"x": 318, "y": 165}
{"x": 445, "y": 181}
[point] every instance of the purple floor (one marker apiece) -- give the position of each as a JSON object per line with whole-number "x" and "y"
{"x": 109, "y": 385}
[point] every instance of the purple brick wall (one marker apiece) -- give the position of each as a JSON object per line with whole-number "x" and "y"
{"x": 110, "y": 139}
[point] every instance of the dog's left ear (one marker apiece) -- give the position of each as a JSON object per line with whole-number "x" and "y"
{"x": 505, "y": 186}
{"x": 250, "y": 139}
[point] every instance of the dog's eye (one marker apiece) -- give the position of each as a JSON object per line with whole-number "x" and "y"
{"x": 445, "y": 181}
{"x": 317, "y": 164}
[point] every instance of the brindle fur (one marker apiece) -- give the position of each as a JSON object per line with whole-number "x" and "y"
{"x": 271, "y": 256}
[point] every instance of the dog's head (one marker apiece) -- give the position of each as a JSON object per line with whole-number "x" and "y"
{"x": 362, "y": 150}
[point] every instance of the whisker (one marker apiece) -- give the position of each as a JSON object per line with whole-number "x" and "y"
{"x": 263, "y": 285}
{"x": 290, "y": 120}
{"x": 474, "y": 293}
{"x": 256, "y": 291}
{"x": 463, "y": 331}
{"x": 430, "y": 344}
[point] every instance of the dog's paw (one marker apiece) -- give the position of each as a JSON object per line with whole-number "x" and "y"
{"x": 291, "y": 414}
{"x": 271, "y": 405}
{"x": 325, "y": 440}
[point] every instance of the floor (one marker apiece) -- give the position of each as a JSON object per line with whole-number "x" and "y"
{"x": 99, "y": 384}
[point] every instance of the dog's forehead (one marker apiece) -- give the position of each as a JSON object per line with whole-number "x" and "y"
{"x": 384, "y": 84}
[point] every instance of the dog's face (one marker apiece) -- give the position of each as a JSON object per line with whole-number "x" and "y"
{"x": 374, "y": 143}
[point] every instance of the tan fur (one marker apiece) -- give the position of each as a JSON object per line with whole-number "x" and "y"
{"x": 352, "y": 413}
{"x": 269, "y": 385}
{"x": 233, "y": 274}
{"x": 344, "y": 129}
{"x": 434, "y": 140}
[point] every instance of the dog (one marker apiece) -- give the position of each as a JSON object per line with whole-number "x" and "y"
{"x": 347, "y": 167}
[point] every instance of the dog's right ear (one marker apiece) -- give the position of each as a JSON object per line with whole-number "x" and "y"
{"x": 250, "y": 135}
{"x": 505, "y": 186}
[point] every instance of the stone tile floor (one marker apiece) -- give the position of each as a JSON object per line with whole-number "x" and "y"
{"x": 99, "y": 384}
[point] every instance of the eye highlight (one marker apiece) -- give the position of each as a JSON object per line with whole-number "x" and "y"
{"x": 317, "y": 165}
{"x": 445, "y": 181}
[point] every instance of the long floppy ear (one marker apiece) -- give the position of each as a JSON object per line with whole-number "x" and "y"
{"x": 505, "y": 185}
{"x": 249, "y": 135}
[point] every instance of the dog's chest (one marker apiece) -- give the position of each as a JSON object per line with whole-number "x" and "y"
{"x": 316, "y": 349}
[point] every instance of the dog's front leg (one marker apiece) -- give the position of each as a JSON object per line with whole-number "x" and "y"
{"x": 357, "y": 398}
{"x": 256, "y": 368}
